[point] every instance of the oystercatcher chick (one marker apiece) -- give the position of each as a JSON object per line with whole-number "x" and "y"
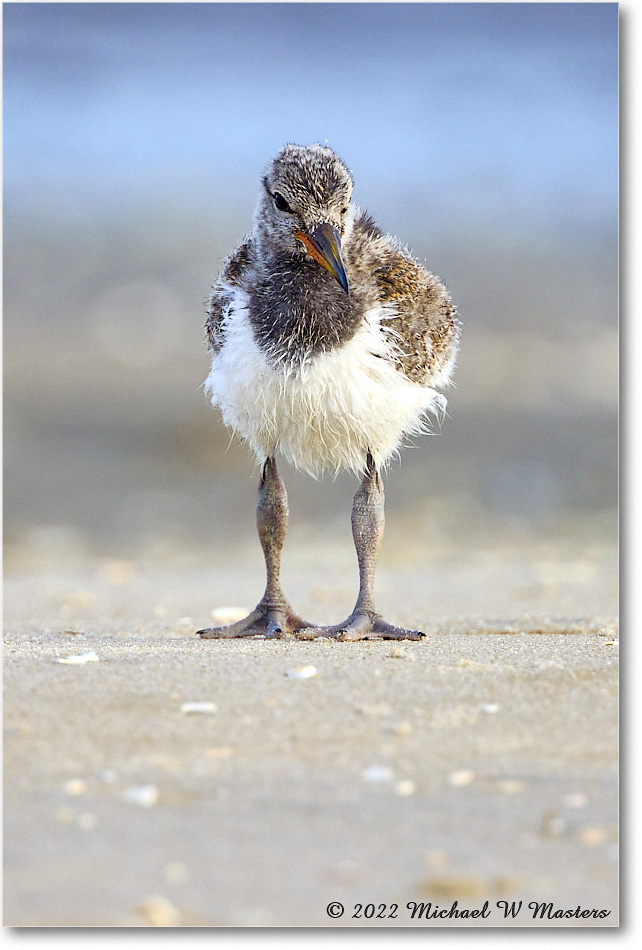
{"x": 329, "y": 343}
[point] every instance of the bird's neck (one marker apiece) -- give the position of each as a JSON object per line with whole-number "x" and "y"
{"x": 298, "y": 310}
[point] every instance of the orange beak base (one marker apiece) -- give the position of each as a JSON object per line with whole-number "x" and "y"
{"x": 324, "y": 246}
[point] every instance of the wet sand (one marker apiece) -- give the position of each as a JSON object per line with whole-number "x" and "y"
{"x": 479, "y": 765}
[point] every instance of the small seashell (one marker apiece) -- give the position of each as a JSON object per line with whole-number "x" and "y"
{"x": 78, "y": 660}
{"x": 405, "y": 788}
{"x": 378, "y": 773}
{"x": 75, "y": 786}
{"x": 225, "y": 615}
{"x": 461, "y": 778}
{"x": 404, "y": 728}
{"x": 490, "y": 708}
{"x": 159, "y": 912}
{"x": 611, "y": 630}
{"x": 144, "y": 795}
{"x": 453, "y": 887}
{"x": 302, "y": 672}
{"x": 592, "y": 837}
{"x": 576, "y": 800}
{"x": 198, "y": 707}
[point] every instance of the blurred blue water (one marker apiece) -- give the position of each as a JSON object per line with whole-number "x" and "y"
{"x": 485, "y": 135}
{"x": 502, "y": 115}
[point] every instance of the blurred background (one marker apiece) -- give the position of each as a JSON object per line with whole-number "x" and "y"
{"x": 484, "y": 135}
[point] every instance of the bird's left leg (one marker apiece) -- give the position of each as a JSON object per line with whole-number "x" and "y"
{"x": 367, "y": 530}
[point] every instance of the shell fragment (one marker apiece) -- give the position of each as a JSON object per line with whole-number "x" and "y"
{"x": 144, "y": 795}
{"x": 79, "y": 659}
{"x": 190, "y": 708}
{"x": 302, "y": 672}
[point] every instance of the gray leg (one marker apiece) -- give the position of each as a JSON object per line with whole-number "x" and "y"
{"x": 367, "y": 530}
{"x": 273, "y": 616}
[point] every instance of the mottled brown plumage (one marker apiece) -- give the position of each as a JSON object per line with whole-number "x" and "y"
{"x": 425, "y": 324}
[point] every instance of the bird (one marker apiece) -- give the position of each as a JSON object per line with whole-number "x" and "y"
{"x": 330, "y": 345}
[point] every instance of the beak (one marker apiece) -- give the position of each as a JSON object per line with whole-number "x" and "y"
{"x": 324, "y": 245}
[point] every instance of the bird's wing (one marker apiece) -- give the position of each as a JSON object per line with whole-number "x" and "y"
{"x": 233, "y": 275}
{"x": 423, "y": 321}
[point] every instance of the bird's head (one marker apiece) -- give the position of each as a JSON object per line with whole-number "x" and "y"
{"x": 303, "y": 205}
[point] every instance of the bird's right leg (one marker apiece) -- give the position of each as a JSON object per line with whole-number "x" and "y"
{"x": 272, "y": 616}
{"x": 365, "y": 622}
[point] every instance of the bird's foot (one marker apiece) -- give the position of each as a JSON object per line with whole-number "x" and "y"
{"x": 275, "y": 621}
{"x": 360, "y": 625}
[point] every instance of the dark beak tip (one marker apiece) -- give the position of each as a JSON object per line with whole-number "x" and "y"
{"x": 324, "y": 245}
{"x": 328, "y": 240}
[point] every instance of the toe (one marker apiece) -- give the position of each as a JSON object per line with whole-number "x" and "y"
{"x": 210, "y": 633}
{"x": 390, "y": 632}
{"x": 316, "y": 633}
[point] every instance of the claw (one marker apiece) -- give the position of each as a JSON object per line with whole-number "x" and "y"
{"x": 273, "y": 623}
{"x": 360, "y": 626}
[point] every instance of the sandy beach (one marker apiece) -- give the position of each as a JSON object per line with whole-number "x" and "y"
{"x": 471, "y": 769}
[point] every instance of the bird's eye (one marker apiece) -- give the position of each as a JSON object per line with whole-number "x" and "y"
{"x": 280, "y": 202}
